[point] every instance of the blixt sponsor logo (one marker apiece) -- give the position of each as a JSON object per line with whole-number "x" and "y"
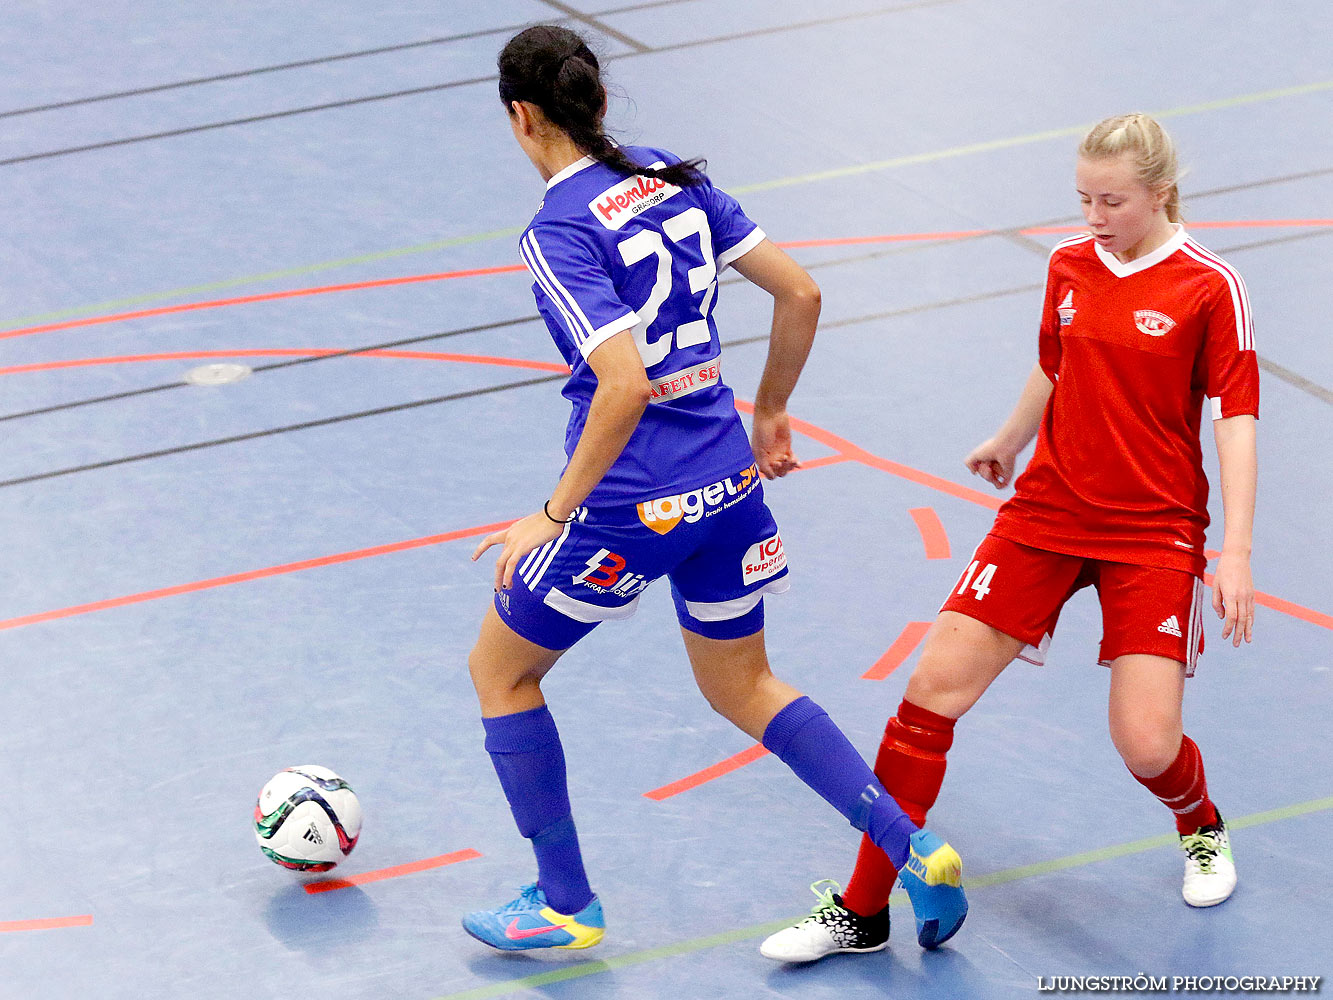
{"x": 763, "y": 559}
{"x": 617, "y": 205}
{"x": 664, "y": 513}
{"x": 605, "y": 573}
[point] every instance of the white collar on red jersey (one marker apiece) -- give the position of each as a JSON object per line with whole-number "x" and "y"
{"x": 570, "y": 171}
{"x": 1148, "y": 260}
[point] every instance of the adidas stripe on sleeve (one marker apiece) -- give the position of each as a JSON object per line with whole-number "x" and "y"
{"x": 575, "y": 287}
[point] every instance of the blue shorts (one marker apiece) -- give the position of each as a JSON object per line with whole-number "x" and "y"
{"x": 719, "y": 546}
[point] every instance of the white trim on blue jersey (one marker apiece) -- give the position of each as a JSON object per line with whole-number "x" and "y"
{"x": 539, "y": 560}
{"x": 586, "y": 338}
{"x": 727, "y": 257}
{"x": 570, "y": 171}
{"x": 582, "y": 611}
{"x": 723, "y": 611}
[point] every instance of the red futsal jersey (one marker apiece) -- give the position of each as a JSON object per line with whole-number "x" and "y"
{"x": 1132, "y": 349}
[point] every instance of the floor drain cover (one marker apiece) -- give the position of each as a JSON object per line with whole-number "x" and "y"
{"x": 219, "y": 374}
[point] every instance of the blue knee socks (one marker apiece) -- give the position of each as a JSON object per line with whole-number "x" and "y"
{"x": 805, "y": 739}
{"x": 525, "y": 749}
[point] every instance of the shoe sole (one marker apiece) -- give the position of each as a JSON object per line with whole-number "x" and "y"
{"x": 815, "y": 958}
{"x": 534, "y": 947}
{"x": 929, "y": 937}
{"x": 1205, "y": 905}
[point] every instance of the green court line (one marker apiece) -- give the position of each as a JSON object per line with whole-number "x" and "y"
{"x": 249, "y": 279}
{"x": 762, "y": 930}
{"x": 1072, "y": 131}
{"x": 810, "y": 178}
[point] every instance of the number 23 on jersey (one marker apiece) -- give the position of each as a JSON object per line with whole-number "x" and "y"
{"x": 648, "y": 243}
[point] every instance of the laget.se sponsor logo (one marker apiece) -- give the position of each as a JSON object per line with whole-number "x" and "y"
{"x": 763, "y": 560}
{"x": 664, "y": 513}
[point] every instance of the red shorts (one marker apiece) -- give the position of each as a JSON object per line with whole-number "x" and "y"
{"x": 1020, "y": 591}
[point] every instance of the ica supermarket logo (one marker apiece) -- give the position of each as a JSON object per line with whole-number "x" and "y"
{"x": 664, "y": 513}
{"x": 1153, "y": 323}
{"x": 763, "y": 559}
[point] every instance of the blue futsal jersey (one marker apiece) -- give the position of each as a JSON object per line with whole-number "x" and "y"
{"x": 609, "y": 253}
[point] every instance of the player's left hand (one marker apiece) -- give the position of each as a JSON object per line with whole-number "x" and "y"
{"x": 520, "y": 538}
{"x": 1233, "y": 596}
{"x": 771, "y": 443}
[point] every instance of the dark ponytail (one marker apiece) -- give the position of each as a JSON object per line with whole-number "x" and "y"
{"x": 553, "y": 68}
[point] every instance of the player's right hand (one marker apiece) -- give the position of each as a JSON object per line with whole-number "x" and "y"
{"x": 517, "y": 540}
{"x": 992, "y": 463}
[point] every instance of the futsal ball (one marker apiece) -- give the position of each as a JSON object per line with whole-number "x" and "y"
{"x": 307, "y": 819}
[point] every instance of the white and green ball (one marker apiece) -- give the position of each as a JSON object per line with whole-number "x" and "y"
{"x": 307, "y": 818}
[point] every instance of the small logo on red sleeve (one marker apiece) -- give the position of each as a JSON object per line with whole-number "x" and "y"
{"x": 1066, "y": 308}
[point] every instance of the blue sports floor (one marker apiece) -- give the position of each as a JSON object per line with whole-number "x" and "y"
{"x": 205, "y": 584}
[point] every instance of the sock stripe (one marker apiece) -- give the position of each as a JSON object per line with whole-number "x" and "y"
{"x": 1183, "y": 788}
{"x": 919, "y": 752}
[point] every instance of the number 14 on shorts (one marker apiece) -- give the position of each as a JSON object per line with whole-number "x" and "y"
{"x": 982, "y": 582}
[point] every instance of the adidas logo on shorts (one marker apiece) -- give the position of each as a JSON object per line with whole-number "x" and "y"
{"x": 1170, "y": 627}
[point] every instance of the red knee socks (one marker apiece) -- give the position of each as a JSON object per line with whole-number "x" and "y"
{"x": 1183, "y": 789}
{"x": 910, "y": 765}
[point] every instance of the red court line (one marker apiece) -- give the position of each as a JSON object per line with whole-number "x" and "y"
{"x": 1287, "y": 608}
{"x": 902, "y": 648}
{"x": 708, "y": 774}
{"x": 264, "y": 297}
{"x": 49, "y": 924}
{"x": 516, "y": 268}
{"x": 819, "y": 463}
{"x": 933, "y": 536}
{"x": 858, "y": 454}
{"x": 256, "y": 574}
{"x": 1226, "y": 224}
{"x": 848, "y": 241}
{"x": 1277, "y": 603}
{"x": 380, "y": 874}
{"x": 845, "y": 449}
{"x": 284, "y": 352}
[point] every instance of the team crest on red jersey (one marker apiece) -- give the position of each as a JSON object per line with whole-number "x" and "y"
{"x": 1153, "y": 323}
{"x": 1066, "y": 309}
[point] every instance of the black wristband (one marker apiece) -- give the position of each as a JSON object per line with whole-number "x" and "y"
{"x": 555, "y": 520}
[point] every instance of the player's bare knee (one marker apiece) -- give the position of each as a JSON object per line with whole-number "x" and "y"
{"x": 487, "y": 679}
{"x": 728, "y": 699}
{"x": 937, "y": 688}
{"x": 1146, "y": 750}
